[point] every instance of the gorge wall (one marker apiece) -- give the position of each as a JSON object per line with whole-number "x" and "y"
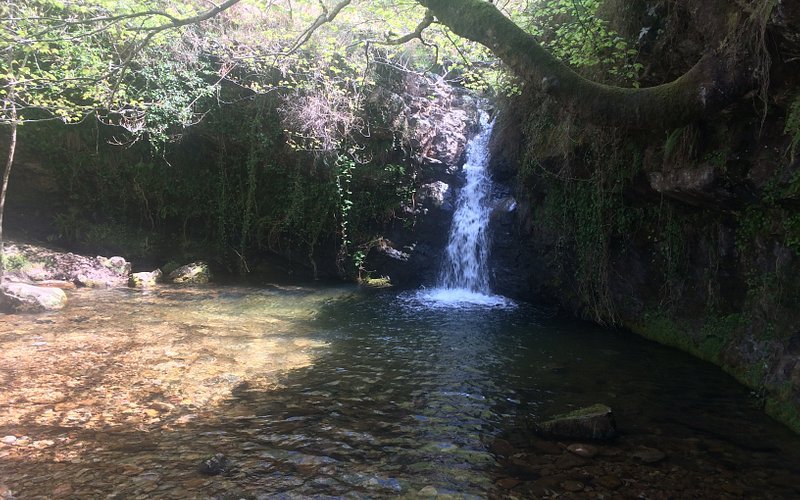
{"x": 689, "y": 236}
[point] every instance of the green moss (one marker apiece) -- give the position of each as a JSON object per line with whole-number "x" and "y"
{"x": 376, "y": 282}
{"x": 714, "y": 335}
{"x": 706, "y": 344}
{"x": 780, "y": 407}
{"x": 792, "y": 127}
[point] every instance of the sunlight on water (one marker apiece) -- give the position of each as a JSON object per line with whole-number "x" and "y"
{"x": 457, "y": 298}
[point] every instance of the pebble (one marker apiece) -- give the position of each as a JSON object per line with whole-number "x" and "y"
{"x": 649, "y": 455}
{"x": 609, "y": 482}
{"x": 212, "y": 466}
{"x": 508, "y": 483}
{"x": 582, "y": 450}
{"x": 9, "y": 439}
{"x": 570, "y": 461}
{"x": 572, "y": 486}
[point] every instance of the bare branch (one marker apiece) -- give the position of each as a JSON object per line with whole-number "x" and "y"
{"x": 323, "y": 18}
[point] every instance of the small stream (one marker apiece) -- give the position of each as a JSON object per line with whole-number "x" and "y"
{"x": 314, "y": 391}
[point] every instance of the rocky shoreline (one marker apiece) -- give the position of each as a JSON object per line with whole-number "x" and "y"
{"x": 36, "y": 276}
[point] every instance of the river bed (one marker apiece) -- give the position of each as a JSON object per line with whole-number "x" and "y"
{"x": 331, "y": 391}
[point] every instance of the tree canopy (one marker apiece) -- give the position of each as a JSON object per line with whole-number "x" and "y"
{"x": 150, "y": 65}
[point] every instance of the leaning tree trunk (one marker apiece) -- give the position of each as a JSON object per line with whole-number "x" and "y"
{"x": 12, "y": 146}
{"x": 713, "y": 82}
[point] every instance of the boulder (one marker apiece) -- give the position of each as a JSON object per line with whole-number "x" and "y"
{"x": 595, "y": 422}
{"x": 22, "y": 297}
{"x": 116, "y": 264}
{"x": 436, "y": 195}
{"x": 195, "y": 273}
{"x": 145, "y": 279}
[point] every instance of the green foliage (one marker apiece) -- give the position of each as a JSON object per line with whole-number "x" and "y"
{"x": 15, "y": 262}
{"x": 573, "y": 32}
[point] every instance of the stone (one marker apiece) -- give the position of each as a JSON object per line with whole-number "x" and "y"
{"x": 196, "y": 273}
{"x": 9, "y": 440}
{"x": 501, "y": 447}
{"x": 145, "y": 279}
{"x": 582, "y": 450}
{"x": 648, "y": 455}
{"x": 212, "y": 466}
{"x": 609, "y": 482}
{"x": 436, "y": 195}
{"x": 572, "y": 486}
{"x": 428, "y": 491}
{"x": 595, "y": 423}
{"x": 21, "y": 297}
{"x": 116, "y": 264}
{"x": 508, "y": 483}
{"x": 6, "y": 493}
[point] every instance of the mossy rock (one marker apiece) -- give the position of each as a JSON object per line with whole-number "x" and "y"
{"x": 196, "y": 273}
{"x": 145, "y": 279}
{"x": 594, "y": 423}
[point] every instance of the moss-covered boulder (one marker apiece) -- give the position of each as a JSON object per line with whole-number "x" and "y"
{"x": 196, "y": 273}
{"x": 595, "y": 423}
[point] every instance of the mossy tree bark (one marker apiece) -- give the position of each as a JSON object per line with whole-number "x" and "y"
{"x": 12, "y": 147}
{"x": 713, "y": 82}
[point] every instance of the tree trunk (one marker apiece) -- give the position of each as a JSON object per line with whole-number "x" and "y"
{"x": 12, "y": 146}
{"x": 714, "y": 81}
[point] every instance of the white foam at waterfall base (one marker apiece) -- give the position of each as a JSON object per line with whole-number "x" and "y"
{"x": 459, "y": 298}
{"x": 464, "y": 278}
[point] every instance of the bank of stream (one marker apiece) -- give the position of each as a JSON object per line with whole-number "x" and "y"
{"x": 315, "y": 391}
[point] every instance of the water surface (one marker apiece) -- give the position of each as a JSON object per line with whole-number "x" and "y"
{"x": 333, "y": 392}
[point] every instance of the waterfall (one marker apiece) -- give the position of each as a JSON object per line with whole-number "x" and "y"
{"x": 464, "y": 279}
{"x": 464, "y": 265}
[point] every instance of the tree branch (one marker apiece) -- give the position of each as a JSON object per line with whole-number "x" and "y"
{"x": 715, "y": 81}
{"x": 323, "y": 18}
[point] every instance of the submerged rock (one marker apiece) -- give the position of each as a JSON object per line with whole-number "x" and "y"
{"x": 213, "y": 466}
{"x": 591, "y": 423}
{"x": 649, "y": 455}
{"x": 582, "y": 450}
{"x": 21, "y": 297}
{"x": 196, "y": 273}
{"x": 145, "y": 279}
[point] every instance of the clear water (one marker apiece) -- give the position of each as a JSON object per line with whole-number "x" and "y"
{"x": 464, "y": 279}
{"x": 316, "y": 392}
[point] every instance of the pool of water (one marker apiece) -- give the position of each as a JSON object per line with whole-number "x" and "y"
{"x": 336, "y": 392}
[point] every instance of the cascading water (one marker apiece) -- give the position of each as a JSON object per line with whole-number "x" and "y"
{"x": 464, "y": 265}
{"x": 464, "y": 278}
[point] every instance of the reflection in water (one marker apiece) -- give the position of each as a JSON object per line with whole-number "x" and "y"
{"x": 314, "y": 392}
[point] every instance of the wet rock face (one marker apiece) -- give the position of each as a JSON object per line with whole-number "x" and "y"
{"x": 701, "y": 186}
{"x": 21, "y": 297}
{"x": 436, "y": 121}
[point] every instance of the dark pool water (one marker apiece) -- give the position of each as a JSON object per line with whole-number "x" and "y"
{"x": 316, "y": 392}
